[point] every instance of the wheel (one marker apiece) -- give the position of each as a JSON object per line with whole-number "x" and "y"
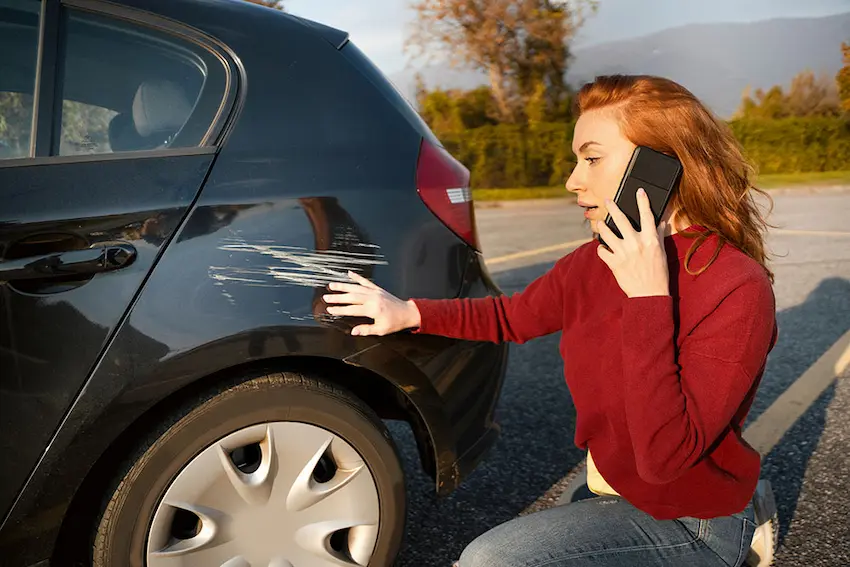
{"x": 280, "y": 471}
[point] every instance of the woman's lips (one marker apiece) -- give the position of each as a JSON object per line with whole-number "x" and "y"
{"x": 588, "y": 210}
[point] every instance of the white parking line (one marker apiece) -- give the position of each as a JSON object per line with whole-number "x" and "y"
{"x": 766, "y": 431}
{"x": 536, "y": 251}
{"x": 790, "y": 232}
{"x": 577, "y": 243}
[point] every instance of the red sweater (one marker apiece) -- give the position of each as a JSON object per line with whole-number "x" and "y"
{"x": 661, "y": 385}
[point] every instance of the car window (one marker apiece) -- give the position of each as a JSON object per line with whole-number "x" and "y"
{"x": 19, "y": 47}
{"x": 127, "y": 88}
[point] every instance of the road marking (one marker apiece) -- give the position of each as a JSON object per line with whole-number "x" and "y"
{"x": 577, "y": 243}
{"x": 764, "y": 433}
{"x": 537, "y": 251}
{"x": 792, "y": 232}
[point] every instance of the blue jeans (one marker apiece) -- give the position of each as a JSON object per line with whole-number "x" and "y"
{"x": 609, "y": 532}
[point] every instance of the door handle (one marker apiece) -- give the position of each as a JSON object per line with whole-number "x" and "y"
{"x": 86, "y": 262}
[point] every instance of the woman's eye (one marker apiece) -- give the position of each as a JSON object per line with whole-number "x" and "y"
{"x": 591, "y": 160}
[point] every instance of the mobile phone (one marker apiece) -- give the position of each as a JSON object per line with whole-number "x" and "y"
{"x": 658, "y": 174}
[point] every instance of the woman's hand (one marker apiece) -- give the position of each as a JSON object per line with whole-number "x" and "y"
{"x": 365, "y": 299}
{"x": 638, "y": 260}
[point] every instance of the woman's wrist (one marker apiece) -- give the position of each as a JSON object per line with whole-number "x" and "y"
{"x": 414, "y": 318}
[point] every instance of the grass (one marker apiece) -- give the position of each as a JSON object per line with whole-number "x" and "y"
{"x": 518, "y": 194}
{"x": 777, "y": 180}
{"x": 772, "y": 181}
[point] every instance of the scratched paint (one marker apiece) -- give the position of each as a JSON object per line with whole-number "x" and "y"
{"x": 291, "y": 265}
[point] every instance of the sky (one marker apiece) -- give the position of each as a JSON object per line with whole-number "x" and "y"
{"x": 379, "y": 27}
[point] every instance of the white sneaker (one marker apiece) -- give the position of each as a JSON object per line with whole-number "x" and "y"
{"x": 766, "y": 536}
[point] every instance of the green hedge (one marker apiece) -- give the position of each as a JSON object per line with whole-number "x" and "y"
{"x": 527, "y": 156}
{"x": 795, "y": 145}
{"x": 514, "y": 156}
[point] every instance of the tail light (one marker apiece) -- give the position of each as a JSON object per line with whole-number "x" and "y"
{"x": 443, "y": 184}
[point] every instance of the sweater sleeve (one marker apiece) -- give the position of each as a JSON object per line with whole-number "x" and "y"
{"x": 518, "y": 318}
{"x": 678, "y": 406}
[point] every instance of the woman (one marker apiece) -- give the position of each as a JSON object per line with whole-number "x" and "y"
{"x": 664, "y": 340}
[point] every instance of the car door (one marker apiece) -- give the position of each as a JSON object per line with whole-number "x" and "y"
{"x": 109, "y": 124}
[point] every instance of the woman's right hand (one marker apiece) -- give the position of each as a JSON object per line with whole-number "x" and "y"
{"x": 365, "y": 299}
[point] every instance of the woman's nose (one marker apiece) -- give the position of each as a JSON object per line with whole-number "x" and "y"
{"x": 572, "y": 183}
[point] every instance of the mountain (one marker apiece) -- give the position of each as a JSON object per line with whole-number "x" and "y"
{"x": 715, "y": 61}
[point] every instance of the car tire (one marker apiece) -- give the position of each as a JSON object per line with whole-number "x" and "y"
{"x": 290, "y": 412}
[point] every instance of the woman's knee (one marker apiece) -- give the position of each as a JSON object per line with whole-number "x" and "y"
{"x": 487, "y": 550}
{"x": 481, "y": 552}
{"x": 499, "y": 547}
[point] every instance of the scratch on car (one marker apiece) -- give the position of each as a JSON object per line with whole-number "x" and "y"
{"x": 292, "y": 265}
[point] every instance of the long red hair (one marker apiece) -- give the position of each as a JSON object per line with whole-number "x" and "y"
{"x": 716, "y": 190}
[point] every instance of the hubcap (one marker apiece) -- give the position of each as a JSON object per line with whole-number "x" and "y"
{"x": 281, "y": 494}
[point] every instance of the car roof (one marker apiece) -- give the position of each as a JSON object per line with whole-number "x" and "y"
{"x": 158, "y": 5}
{"x": 171, "y": 8}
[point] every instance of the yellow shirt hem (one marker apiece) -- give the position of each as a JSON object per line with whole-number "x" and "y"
{"x": 595, "y": 482}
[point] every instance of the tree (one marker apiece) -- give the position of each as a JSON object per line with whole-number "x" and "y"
{"x": 455, "y": 111}
{"x": 807, "y": 96}
{"x": 771, "y": 104}
{"x": 810, "y": 96}
{"x": 521, "y": 44}
{"x": 85, "y": 128}
{"x": 476, "y": 108}
{"x": 535, "y": 106}
{"x": 15, "y": 124}
{"x": 843, "y": 79}
{"x": 277, "y": 4}
{"x": 439, "y": 110}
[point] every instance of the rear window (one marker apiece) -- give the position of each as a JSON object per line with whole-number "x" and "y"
{"x": 388, "y": 89}
{"x": 131, "y": 88}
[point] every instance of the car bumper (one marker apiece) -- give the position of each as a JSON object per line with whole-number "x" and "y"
{"x": 470, "y": 387}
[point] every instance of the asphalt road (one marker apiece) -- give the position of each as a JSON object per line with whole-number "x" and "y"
{"x": 809, "y": 467}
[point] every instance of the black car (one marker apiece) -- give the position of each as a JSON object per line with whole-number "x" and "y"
{"x": 179, "y": 182}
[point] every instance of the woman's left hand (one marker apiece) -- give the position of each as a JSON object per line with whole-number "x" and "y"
{"x": 638, "y": 260}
